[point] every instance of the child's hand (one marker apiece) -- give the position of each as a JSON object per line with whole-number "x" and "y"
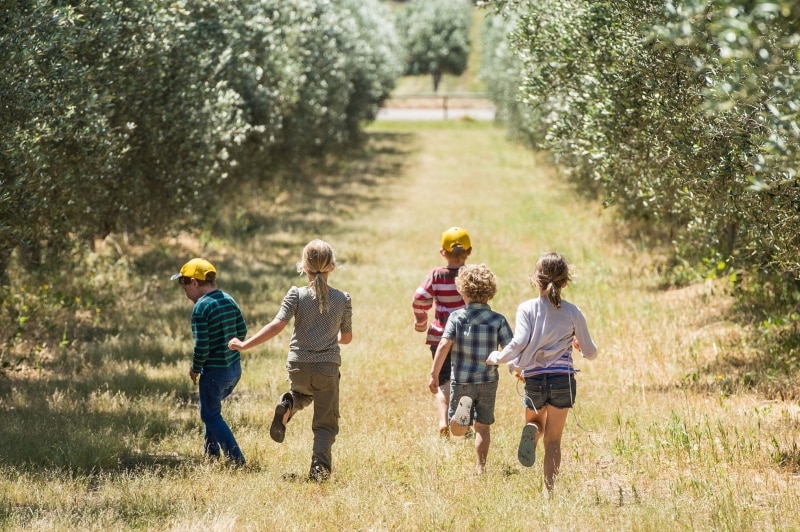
{"x": 489, "y": 361}
{"x": 235, "y": 344}
{"x": 575, "y": 344}
{"x": 433, "y": 384}
{"x": 518, "y": 374}
{"x": 421, "y": 326}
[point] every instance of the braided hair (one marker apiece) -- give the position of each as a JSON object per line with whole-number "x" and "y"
{"x": 318, "y": 258}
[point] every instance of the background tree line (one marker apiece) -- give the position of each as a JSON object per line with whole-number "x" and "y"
{"x": 139, "y": 116}
{"x": 138, "y": 119}
{"x": 681, "y": 115}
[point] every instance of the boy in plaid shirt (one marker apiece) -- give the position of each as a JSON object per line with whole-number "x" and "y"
{"x": 470, "y": 335}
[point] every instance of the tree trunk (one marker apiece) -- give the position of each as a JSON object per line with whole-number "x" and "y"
{"x": 437, "y": 77}
{"x": 5, "y": 258}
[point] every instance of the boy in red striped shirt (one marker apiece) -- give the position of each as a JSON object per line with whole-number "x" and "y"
{"x": 439, "y": 289}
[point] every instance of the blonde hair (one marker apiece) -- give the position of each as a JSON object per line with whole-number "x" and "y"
{"x": 551, "y": 274}
{"x": 318, "y": 258}
{"x": 477, "y": 283}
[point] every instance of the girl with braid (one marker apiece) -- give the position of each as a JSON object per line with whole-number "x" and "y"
{"x": 548, "y": 329}
{"x": 322, "y": 320}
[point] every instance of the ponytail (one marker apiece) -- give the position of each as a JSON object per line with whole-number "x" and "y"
{"x": 318, "y": 259}
{"x": 551, "y": 275}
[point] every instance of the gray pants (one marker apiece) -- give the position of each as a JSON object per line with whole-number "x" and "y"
{"x": 318, "y": 383}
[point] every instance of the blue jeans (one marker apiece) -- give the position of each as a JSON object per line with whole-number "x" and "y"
{"x": 215, "y": 385}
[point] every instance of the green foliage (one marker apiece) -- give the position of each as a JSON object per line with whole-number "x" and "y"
{"x": 133, "y": 116}
{"x": 682, "y": 116}
{"x": 112, "y": 120}
{"x": 747, "y": 53}
{"x": 436, "y": 34}
{"x": 501, "y": 69}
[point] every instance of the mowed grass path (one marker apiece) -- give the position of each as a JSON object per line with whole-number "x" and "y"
{"x": 641, "y": 452}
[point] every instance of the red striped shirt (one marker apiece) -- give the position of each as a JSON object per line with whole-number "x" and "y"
{"x": 438, "y": 288}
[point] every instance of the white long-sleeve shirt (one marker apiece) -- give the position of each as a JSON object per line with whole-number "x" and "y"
{"x": 543, "y": 337}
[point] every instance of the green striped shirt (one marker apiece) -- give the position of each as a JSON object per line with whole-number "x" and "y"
{"x": 216, "y": 318}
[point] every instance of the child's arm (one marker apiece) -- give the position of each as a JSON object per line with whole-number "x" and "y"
{"x": 345, "y": 338}
{"x": 504, "y": 337}
{"x": 438, "y": 360}
{"x": 267, "y": 331}
{"x": 582, "y": 341}
{"x": 520, "y": 339}
{"x": 421, "y": 304}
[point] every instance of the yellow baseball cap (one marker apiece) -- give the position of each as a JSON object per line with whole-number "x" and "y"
{"x": 453, "y": 236}
{"x": 196, "y": 269}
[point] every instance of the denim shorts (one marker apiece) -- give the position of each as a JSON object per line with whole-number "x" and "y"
{"x": 483, "y": 398}
{"x": 555, "y": 389}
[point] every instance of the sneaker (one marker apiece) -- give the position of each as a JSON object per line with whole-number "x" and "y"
{"x": 319, "y": 473}
{"x": 277, "y": 430}
{"x": 459, "y": 423}
{"x": 527, "y": 445}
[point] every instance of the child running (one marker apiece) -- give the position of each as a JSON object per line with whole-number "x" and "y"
{"x": 439, "y": 288}
{"x": 322, "y": 320}
{"x": 547, "y": 330}
{"x": 470, "y": 335}
{"x": 216, "y": 318}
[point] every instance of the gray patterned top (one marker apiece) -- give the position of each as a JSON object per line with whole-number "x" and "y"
{"x": 315, "y": 337}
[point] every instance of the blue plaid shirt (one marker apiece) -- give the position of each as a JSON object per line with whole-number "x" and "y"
{"x": 475, "y": 330}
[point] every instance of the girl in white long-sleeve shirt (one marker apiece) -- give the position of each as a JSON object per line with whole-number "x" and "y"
{"x": 547, "y": 331}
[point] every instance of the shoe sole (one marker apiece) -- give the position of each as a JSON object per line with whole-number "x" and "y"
{"x": 277, "y": 430}
{"x": 461, "y": 416}
{"x": 527, "y": 445}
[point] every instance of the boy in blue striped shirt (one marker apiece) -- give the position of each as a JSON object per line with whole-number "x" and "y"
{"x": 470, "y": 335}
{"x": 216, "y": 319}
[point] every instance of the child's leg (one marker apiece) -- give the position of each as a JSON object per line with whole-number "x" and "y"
{"x": 443, "y": 395}
{"x": 555, "y": 420}
{"x": 325, "y": 423}
{"x": 482, "y": 440}
{"x": 538, "y": 418}
{"x": 215, "y": 385}
{"x": 442, "y": 405}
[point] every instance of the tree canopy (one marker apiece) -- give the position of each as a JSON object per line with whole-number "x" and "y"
{"x": 138, "y": 115}
{"x": 682, "y": 116}
{"x": 436, "y": 37}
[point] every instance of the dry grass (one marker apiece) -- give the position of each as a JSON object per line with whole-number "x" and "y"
{"x": 108, "y": 437}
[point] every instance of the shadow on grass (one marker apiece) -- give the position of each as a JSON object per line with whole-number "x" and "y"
{"x": 38, "y": 437}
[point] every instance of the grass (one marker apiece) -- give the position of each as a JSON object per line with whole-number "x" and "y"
{"x": 104, "y": 432}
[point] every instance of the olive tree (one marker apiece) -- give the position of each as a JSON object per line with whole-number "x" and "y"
{"x": 133, "y": 115}
{"x": 113, "y": 120}
{"x": 436, "y": 37}
{"x": 682, "y": 117}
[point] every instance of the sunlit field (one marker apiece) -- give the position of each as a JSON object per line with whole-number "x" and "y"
{"x": 106, "y": 434}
